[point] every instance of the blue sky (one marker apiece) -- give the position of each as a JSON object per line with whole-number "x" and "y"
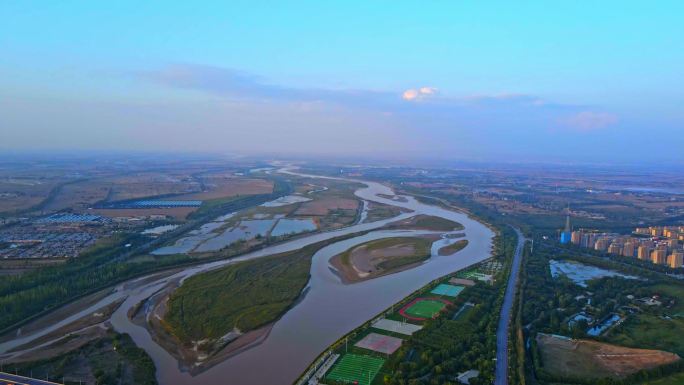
{"x": 484, "y": 80}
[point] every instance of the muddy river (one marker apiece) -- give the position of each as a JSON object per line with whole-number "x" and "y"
{"x": 329, "y": 309}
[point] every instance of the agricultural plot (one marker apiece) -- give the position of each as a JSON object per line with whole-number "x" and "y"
{"x": 355, "y": 368}
{"x": 380, "y": 343}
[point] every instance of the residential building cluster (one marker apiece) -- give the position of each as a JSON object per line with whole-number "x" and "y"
{"x": 661, "y": 245}
{"x": 62, "y": 235}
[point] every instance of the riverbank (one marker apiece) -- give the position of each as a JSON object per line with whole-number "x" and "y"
{"x": 469, "y": 311}
{"x": 327, "y": 310}
{"x": 382, "y": 257}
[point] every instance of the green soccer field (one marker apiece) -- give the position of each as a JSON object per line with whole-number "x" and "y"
{"x": 426, "y": 308}
{"x": 356, "y": 368}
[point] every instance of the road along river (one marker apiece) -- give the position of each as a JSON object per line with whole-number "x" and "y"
{"x": 329, "y": 309}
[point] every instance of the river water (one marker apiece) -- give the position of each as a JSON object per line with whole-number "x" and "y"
{"x": 329, "y": 310}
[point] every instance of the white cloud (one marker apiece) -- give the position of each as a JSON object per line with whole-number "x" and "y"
{"x": 419, "y": 94}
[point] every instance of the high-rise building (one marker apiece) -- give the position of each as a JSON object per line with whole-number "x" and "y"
{"x": 615, "y": 248}
{"x": 659, "y": 256}
{"x": 602, "y": 244}
{"x": 628, "y": 249}
{"x": 672, "y": 244}
{"x": 566, "y": 234}
{"x": 644, "y": 253}
{"x": 585, "y": 240}
{"x": 576, "y": 238}
{"x": 676, "y": 259}
{"x": 643, "y": 230}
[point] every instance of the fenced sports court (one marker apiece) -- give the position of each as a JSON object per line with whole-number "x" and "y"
{"x": 356, "y": 369}
{"x": 421, "y": 309}
{"x": 396, "y": 326}
{"x": 447, "y": 290}
{"x": 380, "y": 343}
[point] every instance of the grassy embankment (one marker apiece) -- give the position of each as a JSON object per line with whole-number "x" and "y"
{"x": 463, "y": 337}
{"x": 420, "y": 252}
{"x": 427, "y": 222}
{"x": 453, "y": 248}
{"x": 380, "y": 211}
{"x": 113, "y": 359}
{"x": 245, "y": 295}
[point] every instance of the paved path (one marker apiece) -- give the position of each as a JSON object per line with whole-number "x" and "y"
{"x": 11, "y": 379}
{"x": 505, "y": 318}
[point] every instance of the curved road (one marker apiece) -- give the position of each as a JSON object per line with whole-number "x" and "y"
{"x": 505, "y": 318}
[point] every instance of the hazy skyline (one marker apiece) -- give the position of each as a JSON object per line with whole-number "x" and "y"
{"x": 471, "y": 80}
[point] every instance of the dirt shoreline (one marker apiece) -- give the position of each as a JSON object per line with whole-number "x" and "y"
{"x": 452, "y": 248}
{"x": 349, "y": 273}
{"x": 349, "y": 276}
{"x": 58, "y": 314}
{"x": 189, "y": 358}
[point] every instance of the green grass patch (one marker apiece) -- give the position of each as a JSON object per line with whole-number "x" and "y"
{"x": 425, "y": 308}
{"x": 436, "y": 223}
{"x": 245, "y": 295}
{"x": 677, "y": 379}
{"x": 355, "y": 368}
{"x": 453, "y": 248}
{"x": 651, "y": 332}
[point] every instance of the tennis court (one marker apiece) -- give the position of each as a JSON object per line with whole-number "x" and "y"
{"x": 423, "y": 308}
{"x": 380, "y": 343}
{"x": 356, "y": 368}
{"x": 447, "y": 290}
{"x": 396, "y": 326}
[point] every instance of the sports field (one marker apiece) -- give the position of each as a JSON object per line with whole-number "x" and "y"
{"x": 380, "y": 343}
{"x": 396, "y": 326}
{"x": 447, "y": 290}
{"x": 354, "y": 368}
{"x": 423, "y": 308}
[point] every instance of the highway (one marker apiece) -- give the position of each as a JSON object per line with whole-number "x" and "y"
{"x": 11, "y": 379}
{"x": 501, "y": 375}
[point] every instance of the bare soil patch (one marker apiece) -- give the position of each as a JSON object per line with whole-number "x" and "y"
{"x": 593, "y": 359}
{"x": 320, "y": 207}
{"x": 227, "y": 187}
